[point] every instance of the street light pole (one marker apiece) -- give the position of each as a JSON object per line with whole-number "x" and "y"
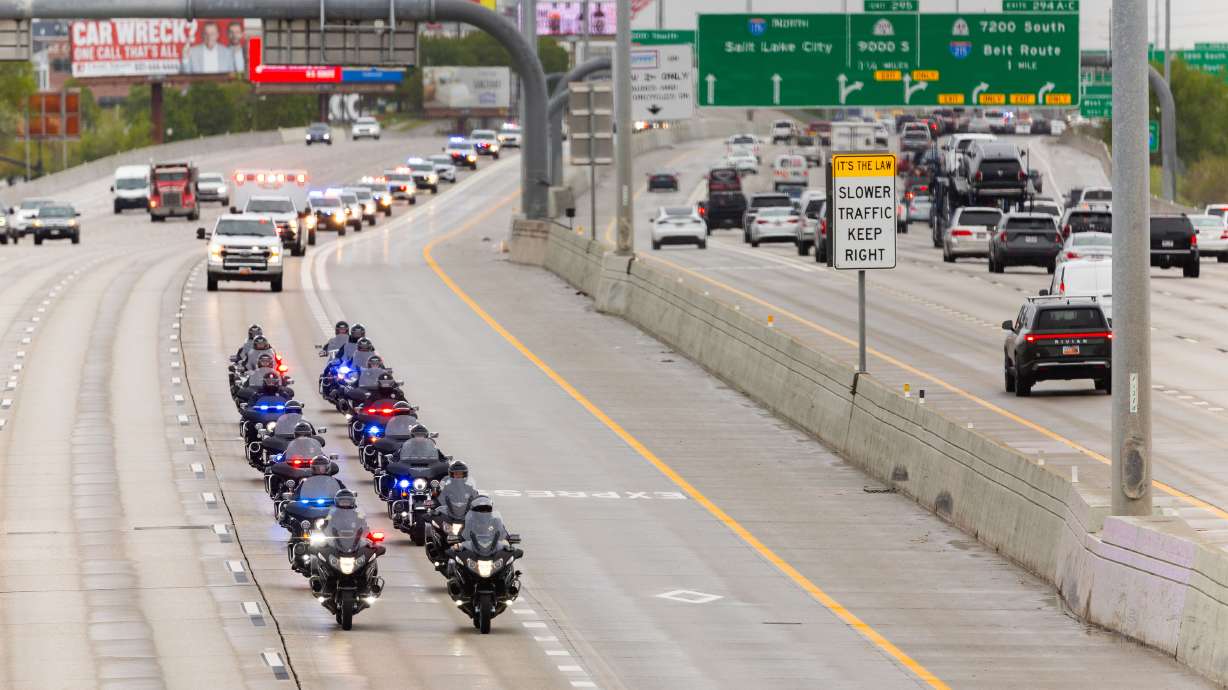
{"x": 623, "y": 129}
{"x": 1168, "y": 41}
{"x": 1131, "y": 468}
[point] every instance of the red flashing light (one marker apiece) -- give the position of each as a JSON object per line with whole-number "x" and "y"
{"x": 375, "y": 537}
{"x": 283, "y": 368}
{"x": 300, "y": 462}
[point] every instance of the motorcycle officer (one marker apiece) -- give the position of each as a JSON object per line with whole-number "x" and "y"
{"x": 357, "y": 332}
{"x": 252, "y": 331}
{"x": 260, "y": 346}
{"x": 341, "y": 336}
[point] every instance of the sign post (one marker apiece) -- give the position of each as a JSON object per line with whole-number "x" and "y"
{"x": 862, "y": 207}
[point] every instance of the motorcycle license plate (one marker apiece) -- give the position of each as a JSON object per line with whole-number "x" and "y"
{"x": 1166, "y": 243}
{"x": 245, "y": 271}
{"x": 1031, "y": 239}
{"x": 1070, "y": 349}
{"x": 982, "y": 236}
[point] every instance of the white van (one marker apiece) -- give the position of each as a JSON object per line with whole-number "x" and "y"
{"x": 790, "y": 169}
{"x": 1085, "y": 278}
{"x": 131, "y": 187}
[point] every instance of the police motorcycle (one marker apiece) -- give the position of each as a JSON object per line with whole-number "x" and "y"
{"x": 272, "y": 439}
{"x": 240, "y": 356}
{"x": 481, "y": 579}
{"x": 381, "y": 441}
{"x": 247, "y": 359}
{"x": 370, "y": 416}
{"x": 343, "y": 549}
{"x": 448, "y": 517}
{"x": 294, "y": 465}
{"x": 344, "y": 364}
{"x": 372, "y": 380}
{"x": 303, "y": 504}
{"x": 264, "y": 406}
{"x": 409, "y": 482}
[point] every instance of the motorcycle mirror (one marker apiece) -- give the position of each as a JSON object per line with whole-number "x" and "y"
{"x": 454, "y": 539}
{"x": 305, "y": 525}
{"x": 289, "y": 380}
{"x": 234, "y": 209}
{"x": 333, "y": 456}
{"x": 322, "y": 430}
{"x": 518, "y": 553}
{"x": 289, "y": 484}
{"x": 434, "y": 483}
{"x": 433, "y": 434}
{"x": 513, "y": 538}
{"x": 200, "y": 233}
{"x": 323, "y": 352}
{"x": 381, "y": 550}
{"x": 259, "y": 426}
{"x": 242, "y": 406}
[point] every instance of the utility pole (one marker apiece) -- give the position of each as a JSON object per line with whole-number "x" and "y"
{"x": 1168, "y": 41}
{"x": 1131, "y": 469}
{"x": 592, "y": 166}
{"x": 623, "y": 130}
{"x": 528, "y": 28}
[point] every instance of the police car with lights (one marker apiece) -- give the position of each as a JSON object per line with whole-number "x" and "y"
{"x": 379, "y": 192}
{"x": 509, "y": 135}
{"x": 244, "y": 247}
{"x": 424, "y": 175}
{"x": 444, "y": 167}
{"x": 486, "y": 142}
{"x": 329, "y": 212}
{"x": 401, "y": 184}
{"x": 462, "y": 152}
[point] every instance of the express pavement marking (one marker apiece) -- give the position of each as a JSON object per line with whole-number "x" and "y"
{"x": 835, "y": 607}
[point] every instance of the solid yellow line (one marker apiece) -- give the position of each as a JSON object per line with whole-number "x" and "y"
{"x": 1052, "y": 435}
{"x": 848, "y": 617}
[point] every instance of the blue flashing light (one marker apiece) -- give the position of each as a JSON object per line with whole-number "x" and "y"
{"x": 404, "y": 483}
{"x": 270, "y": 408}
{"x": 455, "y": 140}
{"x": 374, "y": 430}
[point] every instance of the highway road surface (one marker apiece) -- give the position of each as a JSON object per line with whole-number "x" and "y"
{"x": 676, "y": 534}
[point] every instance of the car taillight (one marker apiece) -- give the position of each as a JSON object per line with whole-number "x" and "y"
{"x": 979, "y": 176}
{"x": 760, "y": 222}
{"x": 1002, "y": 236}
{"x": 1072, "y": 255}
{"x": 1066, "y": 230}
{"x": 1224, "y": 235}
{"x": 823, "y": 227}
{"x": 1194, "y": 240}
{"x": 1058, "y": 238}
{"x": 961, "y": 233}
{"x": 703, "y": 211}
{"x": 1022, "y": 176}
{"x": 792, "y": 221}
{"x": 1062, "y": 336}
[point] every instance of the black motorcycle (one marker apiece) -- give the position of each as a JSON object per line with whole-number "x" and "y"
{"x": 447, "y": 520}
{"x": 258, "y": 414}
{"x": 298, "y": 512}
{"x": 370, "y": 419}
{"x": 294, "y": 465}
{"x": 344, "y": 576}
{"x": 480, "y": 573}
{"x": 409, "y": 484}
{"x": 274, "y": 440}
{"x": 380, "y": 444}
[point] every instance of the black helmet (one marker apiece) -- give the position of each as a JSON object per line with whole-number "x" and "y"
{"x": 358, "y": 331}
{"x": 264, "y": 361}
{"x": 272, "y": 380}
{"x": 320, "y": 464}
{"x": 294, "y": 407}
{"x": 261, "y": 343}
{"x": 375, "y": 362}
{"x": 482, "y": 504}
{"x": 341, "y": 328}
{"x": 303, "y": 429}
{"x": 365, "y": 345}
{"x": 419, "y": 431}
{"x": 345, "y": 500}
{"x": 254, "y": 330}
{"x": 458, "y": 470}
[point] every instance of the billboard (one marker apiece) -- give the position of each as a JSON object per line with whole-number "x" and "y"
{"x": 460, "y": 88}
{"x": 260, "y": 73}
{"x": 567, "y": 18}
{"x": 157, "y": 47}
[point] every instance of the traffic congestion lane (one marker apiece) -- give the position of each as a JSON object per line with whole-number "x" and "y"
{"x": 945, "y": 321}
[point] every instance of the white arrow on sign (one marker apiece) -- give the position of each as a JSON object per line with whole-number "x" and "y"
{"x": 980, "y": 89}
{"x": 909, "y": 90}
{"x": 850, "y": 88}
{"x": 711, "y": 79}
{"x": 776, "y": 79}
{"x": 1040, "y": 96}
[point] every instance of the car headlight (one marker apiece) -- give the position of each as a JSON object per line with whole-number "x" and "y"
{"x": 432, "y": 178}
{"x": 274, "y": 256}
{"x": 215, "y": 252}
{"x": 38, "y": 223}
{"x": 309, "y": 222}
{"x": 369, "y": 207}
{"x": 469, "y": 158}
{"x": 327, "y": 135}
{"x": 72, "y": 223}
{"x": 292, "y": 224}
{"x": 308, "y": 137}
{"x": 338, "y": 216}
{"x": 383, "y": 201}
{"x": 494, "y": 147}
{"x": 346, "y": 565}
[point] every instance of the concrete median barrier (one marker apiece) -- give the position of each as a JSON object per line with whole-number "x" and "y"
{"x": 1154, "y": 580}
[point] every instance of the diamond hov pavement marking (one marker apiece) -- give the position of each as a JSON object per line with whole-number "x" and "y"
{"x": 687, "y": 596}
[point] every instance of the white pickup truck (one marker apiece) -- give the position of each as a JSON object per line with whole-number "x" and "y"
{"x": 244, "y": 247}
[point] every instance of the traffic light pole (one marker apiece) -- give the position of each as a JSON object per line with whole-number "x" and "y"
{"x": 535, "y": 183}
{"x": 1131, "y": 441}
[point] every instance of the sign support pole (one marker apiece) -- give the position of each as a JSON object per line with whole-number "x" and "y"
{"x": 861, "y": 322}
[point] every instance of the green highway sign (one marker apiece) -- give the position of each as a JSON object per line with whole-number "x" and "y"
{"x": 892, "y": 6}
{"x": 889, "y": 59}
{"x": 662, "y": 37}
{"x": 1096, "y": 93}
{"x": 1153, "y": 135}
{"x": 1059, "y": 6}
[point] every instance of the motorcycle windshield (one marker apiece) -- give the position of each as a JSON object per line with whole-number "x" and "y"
{"x": 345, "y": 530}
{"x": 400, "y": 426}
{"x": 419, "y": 451}
{"x": 318, "y": 491}
{"x": 483, "y": 533}
{"x": 268, "y": 404}
{"x": 305, "y": 447}
{"x": 455, "y": 498}
{"x": 286, "y": 423}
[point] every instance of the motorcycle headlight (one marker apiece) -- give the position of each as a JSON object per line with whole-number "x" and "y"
{"x": 485, "y": 568}
{"x": 419, "y": 484}
{"x": 455, "y": 527}
{"x": 346, "y": 565}
{"x": 317, "y": 539}
{"x": 469, "y": 158}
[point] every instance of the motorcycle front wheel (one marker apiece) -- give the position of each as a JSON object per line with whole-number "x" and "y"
{"x": 482, "y": 613}
{"x": 417, "y": 532}
{"x": 345, "y": 609}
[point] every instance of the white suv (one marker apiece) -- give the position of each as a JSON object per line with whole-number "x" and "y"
{"x": 365, "y": 127}
{"x": 245, "y": 247}
{"x": 509, "y": 135}
{"x": 783, "y": 131}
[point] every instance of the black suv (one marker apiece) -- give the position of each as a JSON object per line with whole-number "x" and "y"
{"x": 1058, "y": 339}
{"x": 665, "y": 181}
{"x": 1024, "y": 239}
{"x": 1174, "y": 242}
{"x": 996, "y": 170}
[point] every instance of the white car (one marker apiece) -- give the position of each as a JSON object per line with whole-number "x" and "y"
{"x": 1212, "y": 236}
{"x": 746, "y": 140}
{"x": 365, "y": 127}
{"x": 790, "y": 169}
{"x": 444, "y": 167}
{"x": 1086, "y": 245}
{"x": 775, "y": 224}
{"x": 509, "y": 135}
{"x": 1085, "y": 278}
{"x": 783, "y": 131}
{"x": 25, "y": 213}
{"x": 968, "y": 233}
{"x": 679, "y": 225}
{"x": 814, "y": 217}
{"x": 1042, "y": 204}
{"x": 745, "y": 163}
{"x": 1220, "y": 210}
{"x": 1093, "y": 196}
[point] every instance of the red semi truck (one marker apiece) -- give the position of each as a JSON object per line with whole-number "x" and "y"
{"x": 173, "y": 191}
